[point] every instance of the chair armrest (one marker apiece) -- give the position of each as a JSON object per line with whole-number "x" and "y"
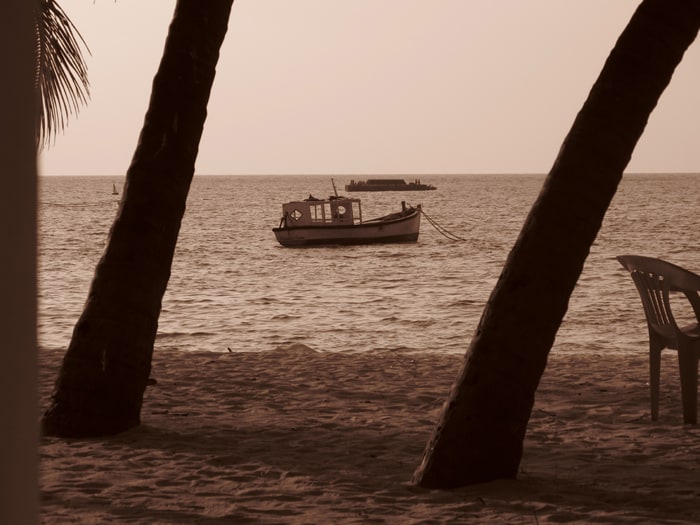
{"x": 694, "y": 299}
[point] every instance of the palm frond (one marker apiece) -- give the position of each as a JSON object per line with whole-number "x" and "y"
{"x": 61, "y": 77}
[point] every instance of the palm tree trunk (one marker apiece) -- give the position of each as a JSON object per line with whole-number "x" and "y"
{"x": 103, "y": 377}
{"x": 19, "y": 502}
{"x": 482, "y": 427}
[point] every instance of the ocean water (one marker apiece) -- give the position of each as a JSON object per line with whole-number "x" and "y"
{"x": 233, "y": 286}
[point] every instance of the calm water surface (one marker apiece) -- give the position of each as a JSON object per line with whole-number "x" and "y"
{"x": 233, "y": 286}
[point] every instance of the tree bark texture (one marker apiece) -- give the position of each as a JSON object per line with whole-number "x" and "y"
{"x": 101, "y": 383}
{"x": 480, "y": 434}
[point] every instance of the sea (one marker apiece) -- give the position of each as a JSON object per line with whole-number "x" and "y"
{"x": 234, "y": 288}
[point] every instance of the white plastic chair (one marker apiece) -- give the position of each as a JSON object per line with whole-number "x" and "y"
{"x": 655, "y": 279}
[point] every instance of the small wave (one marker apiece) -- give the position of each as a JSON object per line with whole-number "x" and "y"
{"x": 420, "y": 322}
{"x": 464, "y": 302}
{"x": 401, "y": 349}
{"x": 263, "y": 300}
{"x": 175, "y": 335}
{"x": 284, "y": 317}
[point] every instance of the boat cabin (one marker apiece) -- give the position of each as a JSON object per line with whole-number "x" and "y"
{"x": 321, "y": 212}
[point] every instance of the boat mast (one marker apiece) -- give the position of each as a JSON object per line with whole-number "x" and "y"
{"x": 334, "y": 189}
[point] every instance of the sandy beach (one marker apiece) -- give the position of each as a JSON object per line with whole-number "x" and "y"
{"x": 299, "y": 436}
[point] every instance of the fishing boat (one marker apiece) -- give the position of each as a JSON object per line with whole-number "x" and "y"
{"x": 388, "y": 185}
{"x": 338, "y": 220}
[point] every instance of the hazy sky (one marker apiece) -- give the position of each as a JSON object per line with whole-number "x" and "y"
{"x": 373, "y": 86}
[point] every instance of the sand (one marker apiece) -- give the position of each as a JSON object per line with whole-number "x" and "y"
{"x": 299, "y": 436}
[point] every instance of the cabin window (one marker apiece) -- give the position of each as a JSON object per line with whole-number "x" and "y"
{"x": 316, "y": 212}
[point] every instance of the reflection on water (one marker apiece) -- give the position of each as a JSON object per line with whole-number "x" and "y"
{"x": 233, "y": 286}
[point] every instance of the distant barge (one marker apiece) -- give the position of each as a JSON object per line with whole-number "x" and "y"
{"x": 387, "y": 185}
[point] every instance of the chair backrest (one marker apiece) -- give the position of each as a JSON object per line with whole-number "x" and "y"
{"x": 654, "y": 280}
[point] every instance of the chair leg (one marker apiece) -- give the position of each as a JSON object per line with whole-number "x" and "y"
{"x": 688, "y": 367}
{"x": 654, "y": 374}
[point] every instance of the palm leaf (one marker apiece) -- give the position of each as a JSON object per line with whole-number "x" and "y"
{"x": 61, "y": 79}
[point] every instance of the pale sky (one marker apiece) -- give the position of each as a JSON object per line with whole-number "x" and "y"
{"x": 373, "y": 86}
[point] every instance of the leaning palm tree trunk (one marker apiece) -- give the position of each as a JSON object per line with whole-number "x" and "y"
{"x": 482, "y": 426}
{"x": 100, "y": 387}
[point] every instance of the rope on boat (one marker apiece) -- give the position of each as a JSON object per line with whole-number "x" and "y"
{"x": 440, "y": 229}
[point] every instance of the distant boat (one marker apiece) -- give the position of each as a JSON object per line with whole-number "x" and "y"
{"x": 388, "y": 185}
{"x": 114, "y": 190}
{"x": 338, "y": 220}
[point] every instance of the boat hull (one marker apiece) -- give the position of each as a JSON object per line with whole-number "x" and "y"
{"x": 389, "y": 187}
{"x": 403, "y": 229}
